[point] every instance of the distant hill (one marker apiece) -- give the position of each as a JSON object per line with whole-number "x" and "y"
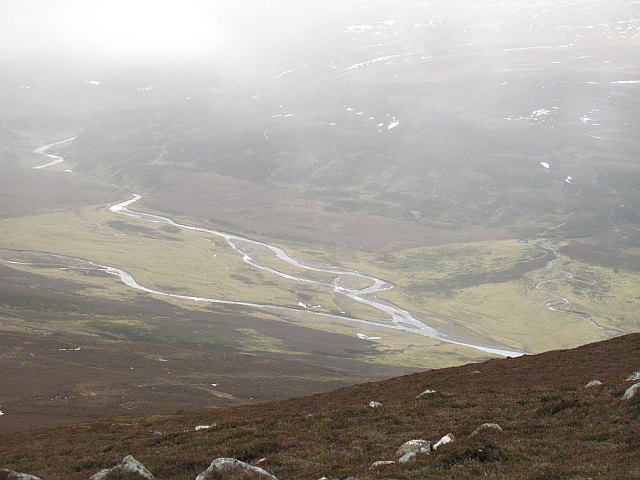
{"x": 553, "y": 427}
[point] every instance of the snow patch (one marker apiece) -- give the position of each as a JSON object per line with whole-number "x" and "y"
{"x": 280, "y": 75}
{"x": 366, "y": 63}
{"x": 93, "y": 82}
{"x": 568, "y": 179}
{"x": 544, "y": 164}
{"x": 358, "y": 28}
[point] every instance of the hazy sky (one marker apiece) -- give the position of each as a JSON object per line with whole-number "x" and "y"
{"x": 112, "y": 27}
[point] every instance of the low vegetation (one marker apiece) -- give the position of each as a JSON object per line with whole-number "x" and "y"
{"x": 553, "y": 427}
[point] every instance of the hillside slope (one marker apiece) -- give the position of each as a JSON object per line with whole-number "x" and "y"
{"x": 554, "y": 427}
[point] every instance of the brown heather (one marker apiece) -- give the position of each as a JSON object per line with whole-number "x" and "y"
{"x": 554, "y": 427}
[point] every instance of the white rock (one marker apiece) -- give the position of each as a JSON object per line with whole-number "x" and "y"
{"x": 593, "y": 383}
{"x": 11, "y": 475}
{"x": 127, "y": 465}
{"x": 487, "y": 426}
{"x": 203, "y": 427}
{"x": 631, "y": 391}
{"x": 220, "y": 465}
{"x": 414, "y": 446}
{"x": 426, "y": 392}
{"x": 374, "y": 404}
{"x": 407, "y": 457}
{"x": 448, "y": 438}
{"x": 382, "y": 463}
{"x": 634, "y": 377}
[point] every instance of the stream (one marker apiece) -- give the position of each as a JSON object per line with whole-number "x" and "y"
{"x": 342, "y": 282}
{"x": 558, "y": 303}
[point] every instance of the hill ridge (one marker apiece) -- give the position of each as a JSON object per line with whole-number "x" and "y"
{"x": 554, "y": 426}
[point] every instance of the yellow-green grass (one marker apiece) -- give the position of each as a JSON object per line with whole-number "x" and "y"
{"x": 610, "y": 296}
{"x": 256, "y": 341}
{"x": 184, "y": 262}
{"x": 395, "y": 347}
{"x": 180, "y": 262}
{"x": 267, "y": 258}
{"x": 508, "y": 310}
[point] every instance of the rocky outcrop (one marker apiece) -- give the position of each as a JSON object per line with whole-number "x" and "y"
{"x": 634, "y": 377}
{"x": 414, "y": 446}
{"x": 231, "y": 468}
{"x": 487, "y": 427}
{"x": 593, "y": 383}
{"x": 11, "y": 475}
{"x": 129, "y": 466}
{"x": 631, "y": 391}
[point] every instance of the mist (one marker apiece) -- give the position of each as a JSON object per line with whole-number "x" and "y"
{"x": 304, "y": 190}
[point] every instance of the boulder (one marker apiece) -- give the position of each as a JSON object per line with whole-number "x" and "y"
{"x": 631, "y": 391}
{"x": 407, "y": 457}
{"x": 414, "y": 446}
{"x": 634, "y": 377}
{"x": 487, "y": 427}
{"x": 593, "y": 383}
{"x": 476, "y": 372}
{"x": 230, "y": 468}
{"x": 11, "y": 475}
{"x": 448, "y": 438}
{"x": 426, "y": 392}
{"x": 128, "y": 466}
{"x": 381, "y": 463}
{"x": 375, "y": 404}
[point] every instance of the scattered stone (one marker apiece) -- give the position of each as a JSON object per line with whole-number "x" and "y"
{"x": 487, "y": 427}
{"x": 634, "y": 377}
{"x": 128, "y": 465}
{"x": 11, "y": 475}
{"x": 593, "y": 383}
{"x": 375, "y": 404}
{"x": 228, "y": 468}
{"x": 407, "y": 457}
{"x": 448, "y": 438}
{"x": 476, "y": 372}
{"x": 414, "y": 446}
{"x": 426, "y": 392}
{"x": 203, "y": 427}
{"x": 381, "y": 463}
{"x": 631, "y": 392}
